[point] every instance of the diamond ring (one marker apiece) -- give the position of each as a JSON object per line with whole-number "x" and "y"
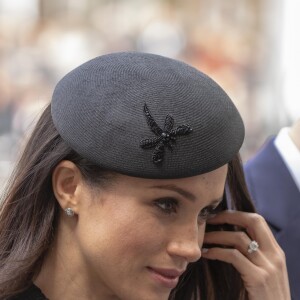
{"x": 253, "y": 247}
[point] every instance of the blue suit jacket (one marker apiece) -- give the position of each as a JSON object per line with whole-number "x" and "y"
{"x": 277, "y": 198}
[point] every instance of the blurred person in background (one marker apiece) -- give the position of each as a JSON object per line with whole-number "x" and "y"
{"x": 273, "y": 179}
{"x": 105, "y": 205}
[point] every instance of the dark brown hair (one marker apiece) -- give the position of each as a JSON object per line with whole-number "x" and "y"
{"x": 29, "y": 213}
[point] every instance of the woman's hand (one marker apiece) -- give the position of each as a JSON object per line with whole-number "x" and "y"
{"x": 263, "y": 271}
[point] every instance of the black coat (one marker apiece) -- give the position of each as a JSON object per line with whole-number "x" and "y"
{"x": 32, "y": 293}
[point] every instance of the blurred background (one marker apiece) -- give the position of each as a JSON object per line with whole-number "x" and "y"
{"x": 247, "y": 46}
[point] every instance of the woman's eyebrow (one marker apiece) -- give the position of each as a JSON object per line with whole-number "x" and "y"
{"x": 177, "y": 189}
{"x": 184, "y": 193}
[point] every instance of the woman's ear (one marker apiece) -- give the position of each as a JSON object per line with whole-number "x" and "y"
{"x": 66, "y": 179}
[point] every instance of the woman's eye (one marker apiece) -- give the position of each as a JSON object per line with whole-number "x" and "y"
{"x": 167, "y": 205}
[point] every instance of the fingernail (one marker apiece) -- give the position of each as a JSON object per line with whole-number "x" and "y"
{"x": 211, "y": 216}
{"x": 204, "y": 250}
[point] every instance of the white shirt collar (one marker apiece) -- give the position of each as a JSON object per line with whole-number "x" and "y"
{"x": 289, "y": 153}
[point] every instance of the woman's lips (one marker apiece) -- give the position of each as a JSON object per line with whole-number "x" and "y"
{"x": 166, "y": 277}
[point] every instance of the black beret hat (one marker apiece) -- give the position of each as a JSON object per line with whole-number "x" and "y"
{"x": 146, "y": 115}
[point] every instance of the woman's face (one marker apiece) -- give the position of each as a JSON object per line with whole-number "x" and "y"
{"x": 138, "y": 235}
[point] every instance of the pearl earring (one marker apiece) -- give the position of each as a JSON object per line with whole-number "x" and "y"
{"x": 69, "y": 212}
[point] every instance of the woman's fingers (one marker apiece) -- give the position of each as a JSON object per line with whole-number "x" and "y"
{"x": 254, "y": 224}
{"x": 235, "y": 239}
{"x": 263, "y": 270}
{"x": 234, "y": 257}
{"x": 269, "y": 282}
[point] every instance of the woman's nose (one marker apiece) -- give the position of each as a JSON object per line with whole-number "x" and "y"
{"x": 187, "y": 243}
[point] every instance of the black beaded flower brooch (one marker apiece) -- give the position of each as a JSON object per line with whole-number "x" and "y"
{"x": 165, "y": 137}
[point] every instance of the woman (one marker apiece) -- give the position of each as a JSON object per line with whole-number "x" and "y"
{"x": 111, "y": 197}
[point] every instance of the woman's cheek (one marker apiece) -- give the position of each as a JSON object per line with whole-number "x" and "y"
{"x": 138, "y": 235}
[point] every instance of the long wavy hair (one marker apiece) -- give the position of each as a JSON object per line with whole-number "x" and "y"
{"x": 29, "y": 216}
